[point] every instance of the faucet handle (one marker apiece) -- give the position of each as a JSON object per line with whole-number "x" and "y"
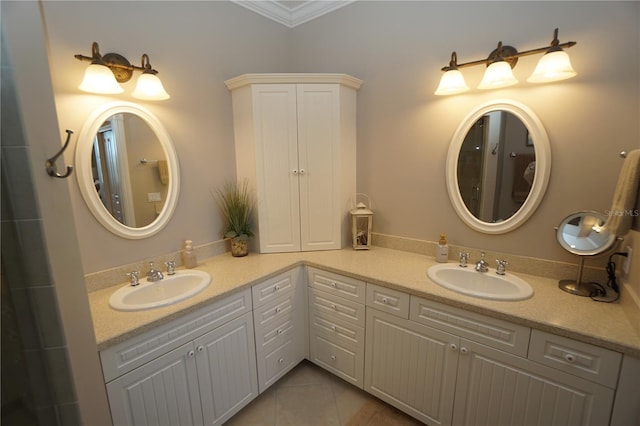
{"x": 171, "y": 267}
{"x": 133, "y": 278}
{"x": 464, "y": 257}
{"x": 502, "y": 267}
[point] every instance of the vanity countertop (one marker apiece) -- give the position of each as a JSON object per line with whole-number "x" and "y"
{"x": 550, "y": 309}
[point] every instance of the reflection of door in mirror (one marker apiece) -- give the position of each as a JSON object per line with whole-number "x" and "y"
{"x": 492, "y": 163}
{"x": 110, "y": 167}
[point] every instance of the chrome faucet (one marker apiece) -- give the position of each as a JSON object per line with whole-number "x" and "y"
{"x": 133, "y": 278}
{"x": 154, "y": 274}
{"x": 482, "y": 265}
{"x": 464, "y": 257}
{"x": 171, "y": 265}
{"x": 502, "y": 267}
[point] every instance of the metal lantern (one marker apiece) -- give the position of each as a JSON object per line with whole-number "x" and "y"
{"x": 361, "y": 222}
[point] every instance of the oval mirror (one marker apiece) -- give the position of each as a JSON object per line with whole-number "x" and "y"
{"x": 127, "y": 170}
{"x": 498, "y": 166}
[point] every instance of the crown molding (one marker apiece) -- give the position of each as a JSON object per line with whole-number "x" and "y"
{"x": 292, "y": 17}
{"x": 293, "y": 78}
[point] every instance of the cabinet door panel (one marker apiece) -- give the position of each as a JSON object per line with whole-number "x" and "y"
{"x": 162, "y": 392}
{"x": 411, "y": 366}
{"x": 496, "y": 388}
{"x": 227, "y": 374}
{"x": 318, "y": 153}
{"x": 276, "y": 145}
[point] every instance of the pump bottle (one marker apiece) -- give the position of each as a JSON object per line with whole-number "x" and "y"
{"x": 442, "y": 250}
{"x": 188, "y": 255}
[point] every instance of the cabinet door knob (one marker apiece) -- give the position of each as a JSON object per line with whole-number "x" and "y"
{"x": 333, "y": 284}
{"x": 278, "y": 310}
{"x": 570, "y": 358}
{"x": 276, "y": 287}
{"x": 281, "y": 360}
{"x": 191, "y": 354}
{"x": 333, "y": 357}
{"x": 294, "y": 171}
{"x": 464, "y": 350}
{"x": 453, "y": 346}
{"x": 200, "y": 348}
{"x": 333, "y": 307}
{"x": 302, "y": 171}
{"x": 333, "y": 328}
{"x": 279, "y": 331}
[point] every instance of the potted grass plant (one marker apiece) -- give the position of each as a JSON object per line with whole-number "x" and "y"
{"x": 236, "y": 206}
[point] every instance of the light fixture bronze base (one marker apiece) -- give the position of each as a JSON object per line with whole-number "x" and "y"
{"x": 119, "y": 65}
{"x": 580, "y": 289}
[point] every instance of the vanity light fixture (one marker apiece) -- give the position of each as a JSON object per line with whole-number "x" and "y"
{"x": 553, "y": 66}
{"x": 106, "y": 71}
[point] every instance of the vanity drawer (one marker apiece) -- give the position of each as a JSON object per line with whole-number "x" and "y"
{"x": 124, "y": 357}
{"x": 388, "y": 300}
{"x": 272, "y": 311}
{"x": 343, "y": 362}
{"x": 492, "y": 332}
{"x": 283, "y": 328}
{"x": 337, "y": 307}
{"x": 278, "y": 362}
{"x": 273, "y": 288}
{"x": 344, "y": 333}
{"x": 590, "y": 362}
{"x": 349, "y": 288}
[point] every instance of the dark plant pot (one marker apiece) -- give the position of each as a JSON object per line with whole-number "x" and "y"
{"x": 239, "y": 248}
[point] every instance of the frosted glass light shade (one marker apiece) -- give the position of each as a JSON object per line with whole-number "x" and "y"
{"x": 497, "y": 75}
{"x": 149, "y": 87}
{"x": 99, "y": 79}
{"x": 553, "y": 66}
{"x": 451, "y": 82}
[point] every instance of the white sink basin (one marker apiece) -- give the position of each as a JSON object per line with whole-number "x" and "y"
{"x": 485, "y": 285}
{"x": 170, "y": 290}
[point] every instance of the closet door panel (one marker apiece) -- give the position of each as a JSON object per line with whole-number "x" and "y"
{"x": 277, "y": 174}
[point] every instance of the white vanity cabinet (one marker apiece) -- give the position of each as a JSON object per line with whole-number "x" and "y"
{"x": 280, "y": 321}
{"x": 409, "y": 365}
{"x": 199, "y": 369}
{"x": 336, "y": 324}
{"x": 295, "y": 139}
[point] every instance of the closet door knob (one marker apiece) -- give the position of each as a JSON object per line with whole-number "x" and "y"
{"x": 302, "y": 171}
{"x": 294, "y": 171}
{"x": 191, "y": 354}
{"x": 200, "y": 348}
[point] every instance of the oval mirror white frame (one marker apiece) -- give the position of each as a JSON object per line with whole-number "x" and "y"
{"x": 85, "y": 177}
{"x": 541, "y": 179}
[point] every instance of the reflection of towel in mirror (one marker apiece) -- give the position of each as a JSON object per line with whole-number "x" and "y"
{"x": 624, "y": 199}
{"x": 163, "y": 171}
{"x": 520, "y": 185}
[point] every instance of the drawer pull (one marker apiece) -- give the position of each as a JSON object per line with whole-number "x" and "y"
{"x": 279, "y": 331}
{"x": 200, "y": 348}
{"x": 191, "y": 354}
{"x": 464, "y": 350}
{"x": 333, "y": 307}
{"x": 276, "y": 287}
{"x": 384, "y": 300}
{"x": 333, "y": 357}
{"x": 278, "y": 310}
{"x": 333, "y": 328}
{"x": 453, "y": 346}
{"x": 570, "y": 358}
{"x": 281, "y": 360}
{"x": 333, "y": 284}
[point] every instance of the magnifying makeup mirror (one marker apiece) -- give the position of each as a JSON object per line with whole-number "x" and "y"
{"x": 583, "y": 233}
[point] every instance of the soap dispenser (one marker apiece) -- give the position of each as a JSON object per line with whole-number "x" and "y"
{"x": 188, "y": 255}
{"x": 442, "y": 250}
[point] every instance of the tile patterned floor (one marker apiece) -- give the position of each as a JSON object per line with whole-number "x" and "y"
{"x": 310, "y": 396}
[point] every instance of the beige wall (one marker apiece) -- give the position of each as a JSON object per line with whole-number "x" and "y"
{"x": 404, "y": 130}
